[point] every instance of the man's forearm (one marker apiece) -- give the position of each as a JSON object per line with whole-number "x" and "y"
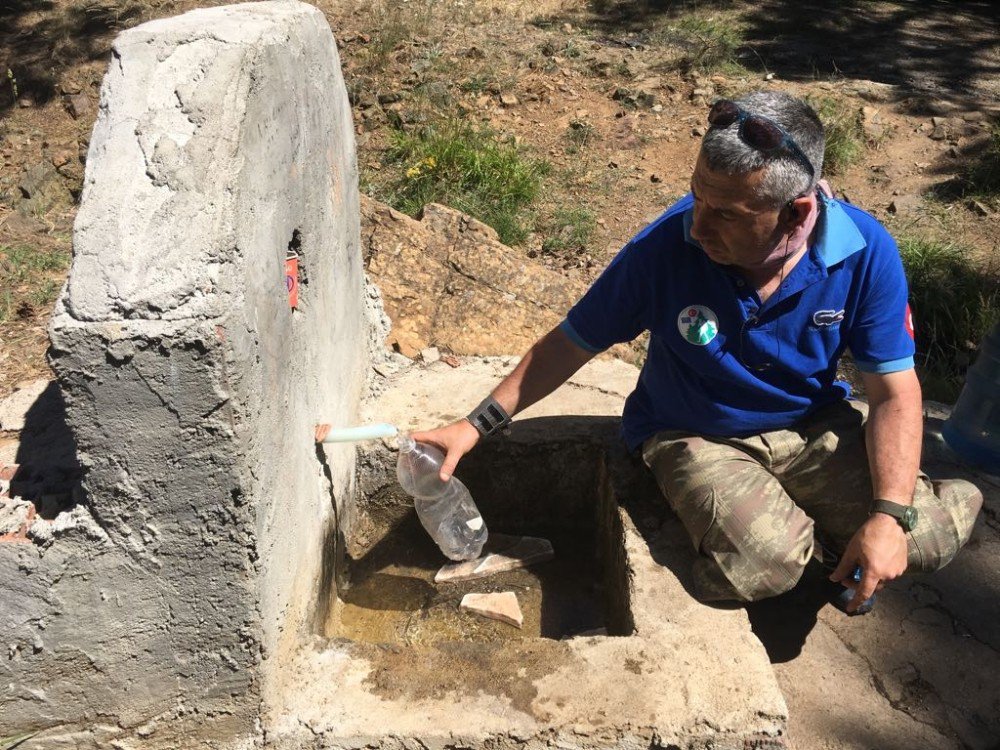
{"x": 894, "y": 436}
{"x": 547, "y": 365}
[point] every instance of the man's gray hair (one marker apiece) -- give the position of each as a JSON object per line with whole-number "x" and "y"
{"x": 785, "y": 177}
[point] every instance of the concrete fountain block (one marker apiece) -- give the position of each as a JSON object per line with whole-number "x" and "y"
{"x": 224, "y": 141}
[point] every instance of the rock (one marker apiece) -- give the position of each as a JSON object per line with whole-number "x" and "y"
{"x": 456, "y": 285}
{"x": 872, "y": 91}
{"x": 939, "y": 133}
{"x": 698, "y": 131}
{"x": 978, "y": 207}
{"x": 15, "y": 517}
{"x": 430, "y": 355}
{"x": 14, "y": 408}
{"x": 512, "y": 553}
{"x": 870, "y": 113}
{"x": 508, "y": 100}
{"x": 502, "y": 606}
{"x": 7, "y": 474}
{"x": 904, "y": 204}
{"x": 42, "y": 188}
{"x": 77, "y": 105}
{"x": 568, "y": 28}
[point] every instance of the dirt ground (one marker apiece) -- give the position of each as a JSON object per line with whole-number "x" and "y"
{"x": 598, "y": 90}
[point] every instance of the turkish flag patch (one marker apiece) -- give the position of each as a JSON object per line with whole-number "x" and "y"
{"x": 908, "y": 321}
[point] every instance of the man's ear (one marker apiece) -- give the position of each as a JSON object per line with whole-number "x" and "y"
{"x": 796, "y": 211}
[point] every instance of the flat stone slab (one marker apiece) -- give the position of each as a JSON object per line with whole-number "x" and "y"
{"x": 519, "y": 552}
{"x": 502, "y": 607}
{"x": 14, "y": 408}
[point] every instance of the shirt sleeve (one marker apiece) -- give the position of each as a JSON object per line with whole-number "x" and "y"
{"x": 614, "y": 308}
{"x": 881, "y": 337}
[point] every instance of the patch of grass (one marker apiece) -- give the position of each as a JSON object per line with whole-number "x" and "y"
{"x": 392, "y": 25}
{"x": 569, "y": 231}
{"x": 467, "y": 168}
{"x": 955, "y": 303}
{"x": 578, "y": 134}
{"x": 32, "y": 279}
{"x": 478, "y": 83}
{"x": 845, "y": 136}
{"x": 709, "y": 44}
{"x": 983, "y": 177}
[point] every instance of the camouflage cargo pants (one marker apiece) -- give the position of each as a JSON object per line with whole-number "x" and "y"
{"x": 749, "y": 504}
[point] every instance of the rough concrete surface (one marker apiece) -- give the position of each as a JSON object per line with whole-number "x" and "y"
{"x": 690, "y": 676}
{"x": 920, "y": 672}
{"x": 159, "y": 610}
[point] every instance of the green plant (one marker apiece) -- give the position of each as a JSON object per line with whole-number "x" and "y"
{"x": 983, "y": 177}
{"x": 569, "y": 231}
{"x": 710, "y": 43}
{"x": 954, "y": 303}
{"x": 477, "y": 84}
{"x": 32, "y": 278}
{"x": 392, "y": 25}
{"x": 845, "y": 136}
{"x": 13, "y": 83}
{"x": 467, "y": 168}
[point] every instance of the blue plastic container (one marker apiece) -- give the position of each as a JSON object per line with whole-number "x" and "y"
{"x": 973, "y": 429}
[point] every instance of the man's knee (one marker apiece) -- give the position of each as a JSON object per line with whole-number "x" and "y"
{"x": 753, "y": 566}
{"x": 948, "y": 511}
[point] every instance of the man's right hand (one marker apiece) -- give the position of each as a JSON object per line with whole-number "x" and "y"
{"x": 454, "y": 440}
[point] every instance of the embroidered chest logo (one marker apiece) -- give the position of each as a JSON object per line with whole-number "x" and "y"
{"x": 698, "y": 325}
{"x": 827, "y": 317}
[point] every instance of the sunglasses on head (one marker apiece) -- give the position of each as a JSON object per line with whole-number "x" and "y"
{"x": 757, "y": 131}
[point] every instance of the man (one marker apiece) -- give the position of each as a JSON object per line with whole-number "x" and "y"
{"x": 751, "y": 288}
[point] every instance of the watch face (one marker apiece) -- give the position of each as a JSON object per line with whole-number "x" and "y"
{"x": 909, "y": 518}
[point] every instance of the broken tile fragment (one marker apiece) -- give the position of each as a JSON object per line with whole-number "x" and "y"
{"x": 502, "y": 606}
{"x": 516, "y": 552}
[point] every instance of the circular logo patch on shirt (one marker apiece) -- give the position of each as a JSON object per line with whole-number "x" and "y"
{"x": 698, "y": 325}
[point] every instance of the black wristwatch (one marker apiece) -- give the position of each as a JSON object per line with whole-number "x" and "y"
{"x": 905, "y": 515}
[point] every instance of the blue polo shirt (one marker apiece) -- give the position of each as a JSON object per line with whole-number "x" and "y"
{"x": 721, "y": 363}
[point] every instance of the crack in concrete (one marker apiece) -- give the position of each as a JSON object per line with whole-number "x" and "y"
{"x": 166, "y": 404}
{"x": 591, "y": 387}
{"x": 882, "y": 690}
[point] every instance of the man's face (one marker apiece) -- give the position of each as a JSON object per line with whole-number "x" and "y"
{"x": 733, "y": 225}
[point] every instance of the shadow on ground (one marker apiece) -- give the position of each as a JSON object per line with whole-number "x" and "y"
{"x": 931, "y": 49}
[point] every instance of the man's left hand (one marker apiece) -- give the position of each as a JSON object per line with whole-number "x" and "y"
{"x": 879, "y": 547}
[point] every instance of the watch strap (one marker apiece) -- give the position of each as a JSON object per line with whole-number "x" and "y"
{"x": 489, "y": 417}
{"x": 904, "y": 514}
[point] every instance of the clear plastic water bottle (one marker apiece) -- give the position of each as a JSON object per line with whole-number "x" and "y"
{"x": 445, "y": 509}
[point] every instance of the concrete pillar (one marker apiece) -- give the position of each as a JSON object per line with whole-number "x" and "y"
{"x": 166, "y": 602}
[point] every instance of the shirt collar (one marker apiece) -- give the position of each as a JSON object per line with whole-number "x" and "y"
{"x": 837, "y": 237}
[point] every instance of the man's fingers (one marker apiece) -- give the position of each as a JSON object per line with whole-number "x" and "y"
{"x": 843, "y": 570}
{"x": 450, "y": 462}
{"x": 864, "y": 590}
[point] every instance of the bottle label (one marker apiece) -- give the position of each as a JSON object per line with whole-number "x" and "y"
{"x": 475, "y": 523}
